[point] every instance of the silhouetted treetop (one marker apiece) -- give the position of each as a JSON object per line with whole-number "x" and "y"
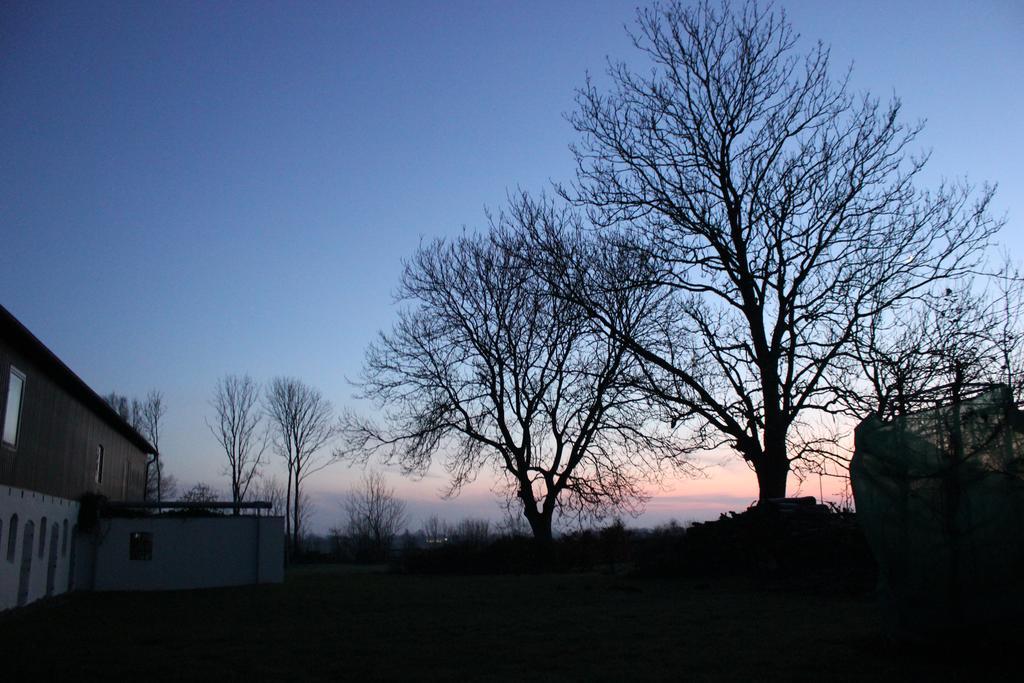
{"x": 770, "y": 209}
{"x": 486, "y": 368}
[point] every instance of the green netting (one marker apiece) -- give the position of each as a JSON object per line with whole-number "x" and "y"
{"x": 940, "y": 496}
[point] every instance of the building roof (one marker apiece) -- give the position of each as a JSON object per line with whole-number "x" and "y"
{"x": 27, "y": 343}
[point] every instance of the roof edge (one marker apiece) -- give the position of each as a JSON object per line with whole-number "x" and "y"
{"x": 51, "y": 364}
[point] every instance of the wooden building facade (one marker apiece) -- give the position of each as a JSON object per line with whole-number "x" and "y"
{"x": 59, "y": 440}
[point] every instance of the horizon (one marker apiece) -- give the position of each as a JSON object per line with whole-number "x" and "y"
{"x": 191, "y": 191}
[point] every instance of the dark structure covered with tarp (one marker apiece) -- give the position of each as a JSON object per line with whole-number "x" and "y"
{"x": 940, "y": 496}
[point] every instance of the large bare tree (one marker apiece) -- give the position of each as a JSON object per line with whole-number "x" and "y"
{"x": 303, "y": 423}
{"x": 770, "y": 209}
{"x": 485, "y": 368}
{"x": 236, "y": 426}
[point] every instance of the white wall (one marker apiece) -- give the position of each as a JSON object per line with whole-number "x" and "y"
{"x": 41, "y": 580}
{"x": 187, "y": 552}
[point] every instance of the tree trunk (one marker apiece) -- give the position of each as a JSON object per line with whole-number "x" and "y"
{"x": 771, "y": 463}
{"x": 540, "y": 525}
{"x": 543, "y": 541}
{"x": 147, "y": 492}
{"x": 295, "y": 516}
{"x": 288, "y": 507}
{"x": 159, "y": 479}
{"x": 772, "y": 469}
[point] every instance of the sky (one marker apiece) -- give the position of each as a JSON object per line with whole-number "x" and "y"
{"x": 194, "y": 189}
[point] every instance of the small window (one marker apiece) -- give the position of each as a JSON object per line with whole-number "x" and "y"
{"x": 64, "y": 540}
{"x": 99, "y": 464}
{"x": 12, "y": 414}
{"x": 42, "y": 536}
{"x": 140, "y": 546}
{"x": 12, "y": 538}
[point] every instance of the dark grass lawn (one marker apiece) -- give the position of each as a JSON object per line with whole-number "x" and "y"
{"x": 335, "y": 624}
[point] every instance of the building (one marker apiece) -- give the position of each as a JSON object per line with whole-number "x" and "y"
{"x": 72, "y": 489}
{"x": 60, "y": 441}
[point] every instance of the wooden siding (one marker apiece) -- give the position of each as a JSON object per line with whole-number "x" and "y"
{"x": 58, "y": 440}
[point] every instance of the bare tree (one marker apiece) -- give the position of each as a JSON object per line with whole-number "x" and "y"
{"x": 471, "y": 532}
{"x": 272, "y": 491}
{"x": 769, "y": 210}
{"x": 306, "y": 510}
{"x": 145, "y": 417}
{"x": 512, "y": 524}
{"x": 486, "y": 368}
{"x": 302, "y": 422}
{"x": 168, "y": 485}
{"x": 200, "y": 493}
{"x": 130, "y": 409}
{"x": 938, "y": 349}
{"x": 236, "y": 426}
{"x": 374, "y": 517}
{"x": 434, "y": 530}
{"x": 151, "y": 413}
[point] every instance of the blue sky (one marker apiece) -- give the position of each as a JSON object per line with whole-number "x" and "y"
{"x": 192, "y": 189}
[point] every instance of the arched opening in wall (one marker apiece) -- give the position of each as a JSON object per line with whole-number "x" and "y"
{"x": 26, "y": 562}
{"x": 99, "y": 464}
{"x": 42, "y": 536}
{"x": 51, "y": 566}
{"x": 71, "y": 562}
{"x": 12, "y": 538}
{"x": 64, "y": 541}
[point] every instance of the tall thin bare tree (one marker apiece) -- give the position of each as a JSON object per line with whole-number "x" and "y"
{"x": 151, "y": 415}
{"x": 146, "y": 417}
{"x": 302, "y": 422}
{"x": 236, "y": 426}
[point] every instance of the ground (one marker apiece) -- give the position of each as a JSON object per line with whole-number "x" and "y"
{"x": 328, "y": 623}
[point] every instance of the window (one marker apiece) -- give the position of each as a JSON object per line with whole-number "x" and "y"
{"x": 12, "y": 414}
{"x": 42, "y": 536}
{"x": 12, "y": 538}
{"x": 64, "y": 540}
{"x": 99, "y": 464}
{"x": 140, "y": 546}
